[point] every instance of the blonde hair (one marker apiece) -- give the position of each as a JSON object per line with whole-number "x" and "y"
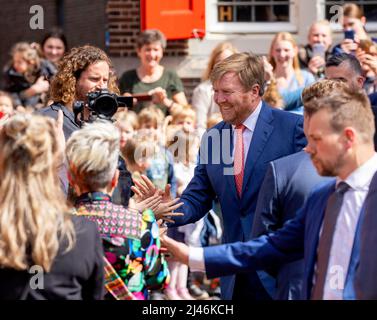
{"x": 92, "y": 154}
{"x": 128, "y": 117}
{"x": 31, "y": 56}
{"x": 272, "y": 95}
{"x": 286, "y": 36}
{"x": 33, "y": 218}
{"x": 151, "y": 114}
{"x": 216, "y": 52}
{"x": 214, "y": 119}
{"x": 324, "y": 23}
{"x": 183, "y": 112}
{"x": 138, "y": 149}
{"x": 321, "y": 89}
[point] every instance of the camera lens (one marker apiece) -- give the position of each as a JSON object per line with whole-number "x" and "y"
{"x": 106, "y": 105}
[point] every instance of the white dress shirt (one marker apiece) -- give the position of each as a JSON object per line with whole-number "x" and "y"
{"x": 247, "y": 134}
{"x": 196, "y": 255}
{"x": 345, "y": 228}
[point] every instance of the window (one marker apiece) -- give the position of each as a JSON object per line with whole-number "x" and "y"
{"x": 252, "y": 11}
{"x": 250, "y": 15}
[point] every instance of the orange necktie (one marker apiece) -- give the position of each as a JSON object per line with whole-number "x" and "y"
{"x": 239, "y": 158}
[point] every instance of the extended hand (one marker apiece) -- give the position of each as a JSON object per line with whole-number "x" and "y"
{"x": 164, "y": 210}
{"x": 178, "y": 250}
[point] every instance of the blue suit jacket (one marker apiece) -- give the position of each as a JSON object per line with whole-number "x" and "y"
{"x": 286, "y": 186}
{"x": 298, "y": 238}
{"x": 277, "y": 134}
{"x": 366, "y": 267}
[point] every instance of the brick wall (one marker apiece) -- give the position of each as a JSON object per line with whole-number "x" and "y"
{"x": 124, "y": 27}
{"x": 84, "y": 22}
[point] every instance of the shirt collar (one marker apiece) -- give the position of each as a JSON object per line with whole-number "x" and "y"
{"x": 360, "y": 178}
{"x": 251, "y": 120}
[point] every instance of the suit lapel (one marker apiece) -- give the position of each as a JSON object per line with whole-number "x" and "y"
{"x": 261, "y": 134}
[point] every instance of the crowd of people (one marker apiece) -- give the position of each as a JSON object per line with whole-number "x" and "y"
{"x": 265, "y": 181}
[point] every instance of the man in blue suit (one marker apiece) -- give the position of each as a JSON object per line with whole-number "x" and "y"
{"x": 286, "y": 186}
{"x": 365, "y": 284}
{"x": 340, "y": 143}
{"x": 251, "y": 135}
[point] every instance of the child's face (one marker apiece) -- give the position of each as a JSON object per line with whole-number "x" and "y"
{"x": 19, "y": 63}
{"x": 187, "y": 123}
{"x": 6, "y": 106}
{"x": 149, "y": 125}
{"x": 126, "y": 132}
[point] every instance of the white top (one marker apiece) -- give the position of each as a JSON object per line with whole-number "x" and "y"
{"x": 345, "y": 228}
{"x": 204, "y": 105}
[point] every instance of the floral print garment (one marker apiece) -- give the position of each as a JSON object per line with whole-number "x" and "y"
{"x": 131, "y": 242}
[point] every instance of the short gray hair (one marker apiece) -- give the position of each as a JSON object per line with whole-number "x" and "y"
{"x": 92, "y": 154}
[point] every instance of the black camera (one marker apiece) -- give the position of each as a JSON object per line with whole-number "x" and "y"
{"x": 101, "y": 104}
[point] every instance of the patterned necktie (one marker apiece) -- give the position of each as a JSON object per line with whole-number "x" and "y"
{"x": 239, "y": 156}
{"x": 334, "y": 204}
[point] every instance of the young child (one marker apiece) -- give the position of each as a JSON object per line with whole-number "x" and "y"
{"x": 184, "y": 145}
{"x": 185, "y": 117}
{"x": 26, "y": 76}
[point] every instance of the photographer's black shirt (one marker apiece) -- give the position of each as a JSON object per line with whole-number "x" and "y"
{"x": 69, "y": 124}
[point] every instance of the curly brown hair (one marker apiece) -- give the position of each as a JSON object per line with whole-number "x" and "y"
{"x": 63, "y": 85}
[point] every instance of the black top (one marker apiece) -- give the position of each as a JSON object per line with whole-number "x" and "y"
{"x": 75, "y": 275}
{"x": 69, "y": 124}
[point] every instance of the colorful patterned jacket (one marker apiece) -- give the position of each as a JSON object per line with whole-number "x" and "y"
{"x": 131, "y": 243}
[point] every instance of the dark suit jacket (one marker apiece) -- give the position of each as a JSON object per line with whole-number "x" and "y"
{"x": 365, "y": 278}
{"x": 75, "y": 275}
{"x": 285, "y": 188}
{"x": 297, "y": 239}
{"x": 277, "y": 134}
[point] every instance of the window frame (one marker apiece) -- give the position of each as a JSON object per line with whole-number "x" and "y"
{"x": 214, "y": 26}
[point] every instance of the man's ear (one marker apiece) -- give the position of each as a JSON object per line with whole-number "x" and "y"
{"x": 361, "y": 80}
{"x": 255, "y": 90}
{"x": 350, "y": 136}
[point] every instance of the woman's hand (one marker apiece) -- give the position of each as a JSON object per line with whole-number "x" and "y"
{"x": 316, "y": 63}
{"x": 158, "y": 95}
{"x": 165, "y": 210}
{"x": 149, "y": 203}
{"x": 144, "y": 189}
{"x": 349, "y": 45}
